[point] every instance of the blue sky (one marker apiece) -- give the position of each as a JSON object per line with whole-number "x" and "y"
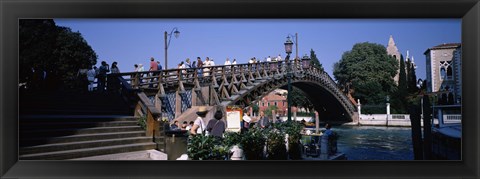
{"x": 134, "y": 41}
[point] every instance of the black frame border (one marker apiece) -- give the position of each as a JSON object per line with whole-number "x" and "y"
{"x": 11, "y": 11}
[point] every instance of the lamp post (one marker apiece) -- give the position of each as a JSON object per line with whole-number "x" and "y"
{"x": 288, "y": 49}
{"x": 306, "y": 61}
{"x": 177, "y": 33}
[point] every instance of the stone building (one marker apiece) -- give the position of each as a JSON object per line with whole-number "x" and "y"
{"x": 444, "y": 64}
{"x": 275, "y": 98}
{"x": 393, "y": 51}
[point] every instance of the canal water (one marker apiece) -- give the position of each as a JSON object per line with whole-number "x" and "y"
{"x": 375, "y": 143}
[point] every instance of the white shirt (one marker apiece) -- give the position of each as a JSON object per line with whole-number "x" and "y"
{"x": 201, "y": 125}
{"x": 269, "y": 59}
{"x": 212, "y": 63}
{"x": 91, "y": 75}
{"x": 247, "y": 118}
{"x": 234, "y": 63}
{"x": 227, "y": 62}
{"x": 250, "y": 61}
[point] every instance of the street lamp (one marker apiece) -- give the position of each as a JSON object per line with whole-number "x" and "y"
{"x": 306, "y": 61}
{"x": 176, "y": 33}
{"x": 288, "y": 49}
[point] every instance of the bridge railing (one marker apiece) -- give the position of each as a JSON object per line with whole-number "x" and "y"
{"x": 226, "y": 74}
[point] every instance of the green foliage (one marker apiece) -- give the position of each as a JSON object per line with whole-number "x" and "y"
{"x": 276, "y": 145}
{"x": 293, "y": 130}
{"x": 54, "y": 49}
{"x": 202, "y": 147}
{"x": 252, "y": 144}
{"x": 314, "y": 60}
{"x": 142, "y": 122}
{"x": 255, "y": 108}
{"x": 399, "y": 98}
{"x": 368, "y": 71}
{"x": 232, "y": 138}
{"x": 300, "y": 98}
{"x": 268, "y": 111}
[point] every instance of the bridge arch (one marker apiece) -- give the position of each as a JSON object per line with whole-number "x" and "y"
{"x": 241, "y": 84}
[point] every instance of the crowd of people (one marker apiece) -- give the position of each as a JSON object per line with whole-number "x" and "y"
{"x": 88, "y": 76}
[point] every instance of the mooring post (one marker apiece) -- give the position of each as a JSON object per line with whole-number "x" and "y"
{"x": 416, "y": 133}
{"x": 427, "y": 128}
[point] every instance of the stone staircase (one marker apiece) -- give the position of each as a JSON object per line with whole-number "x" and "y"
{"x": 67, "y": 126}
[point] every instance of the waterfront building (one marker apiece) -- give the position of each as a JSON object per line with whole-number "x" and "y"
{"x": 444, "y": 63}
{"x": 275, "y": 98}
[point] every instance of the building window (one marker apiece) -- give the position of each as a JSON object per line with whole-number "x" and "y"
{"x": 275, "y": 103}
{"x": 263, "y": 103}
{"x": 449, "y": 73}
{"x": 442, "y": 73}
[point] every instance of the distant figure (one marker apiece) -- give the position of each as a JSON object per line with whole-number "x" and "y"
{"x": 184, "y": 125}
{"x": 269, "y": 59}
{"x": 251, "y": 61}
{"x": 194, "y": 64}
{"x": 212, "y": 63}
{"x": 206, "y": 71}
{"x": 328, "y": 132}
{"x": 82, "y": 79}
{"x": 279, "y": 58}
{"x": 159, "y": 67}
{"x": 263, "y": 121}
{"x": 102, "y": 76}
{"x": 140, "y": 67}
{"x": 199, "y": 65}
{"x": 153, "y": 65}
{"x": 91, "y": 78}
{"x": 216, "y": 127}
{"x": 135, "y": 69}
{"x": 174, "y": 126}
{"x": 199, "y": 125}
{"x": 246, "y": 121}
{"x": 188, "y": 64}
{"x": 227, "y": 62}
{"x": 234, "y": 61}
{"x": 114, "y": 68}
{"x": 190, "y": 125}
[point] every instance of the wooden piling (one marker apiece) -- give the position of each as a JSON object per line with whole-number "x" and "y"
{"x": 427, "y": 128}
{"x": 416, "y": 132}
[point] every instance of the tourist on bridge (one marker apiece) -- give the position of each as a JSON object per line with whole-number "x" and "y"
{"x": 234, "y": 61}
{"x": 82, "y": 79}
{"x": 102, "y": 76}
{"x": 91, "y": 74}
{"x": 216, "y": 127}
{"x": 206, "y": 71}
{"x": 199, "y": 66}
{"x": 199, "y": 125}
{"x": 159, "y": 67}
{"x": 263, "y": 121}
{"x": 153, "y": 67}
{"x": 114, "y": 68}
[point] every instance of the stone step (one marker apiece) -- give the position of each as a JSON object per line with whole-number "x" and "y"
{"x": 79, "y": 153}
{"x": 76, "y": 138}
{"x": 74, "y": 118}
{"x": 72, "y": 111}
{"x": 67, "y": 124}
{"x": 76, "y": 131}
{"x": 82, "y": 145}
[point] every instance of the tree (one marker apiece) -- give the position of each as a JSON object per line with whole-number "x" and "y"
{"x": 37, "y": 38}
{"x": 366, "y": 72}
{"x": 314, "y": 60}
{"x": 412, "y": 80}
{"x": 56, "y": 50}
{"x": 268, "y": 111}
{"x": 399, "y": 101}
{"x": 255, "y": 109}
{"x": 299, "y": 98}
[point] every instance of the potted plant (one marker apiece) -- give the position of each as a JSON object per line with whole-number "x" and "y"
{"x": 252, "y": 143}
{"x": 276, "y": 149}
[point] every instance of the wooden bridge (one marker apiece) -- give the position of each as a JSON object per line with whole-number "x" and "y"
{"x": 171, "y": 92}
